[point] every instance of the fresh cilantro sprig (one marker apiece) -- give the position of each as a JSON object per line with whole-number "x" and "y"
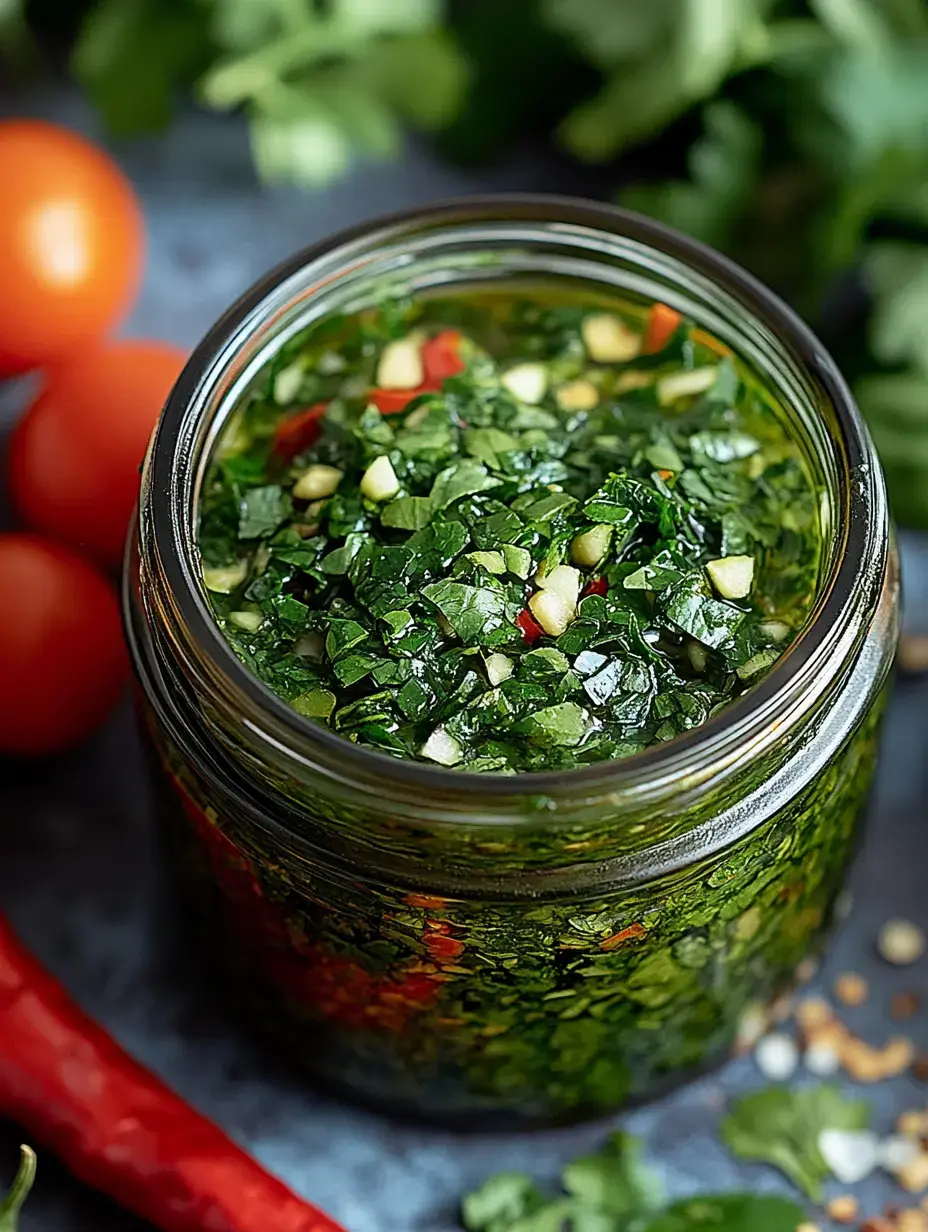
{"x": 614, "y": 1191}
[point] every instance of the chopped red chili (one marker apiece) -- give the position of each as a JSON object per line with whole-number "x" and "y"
{"x": 531, "y": 629}
{"x": 298, "y": 431}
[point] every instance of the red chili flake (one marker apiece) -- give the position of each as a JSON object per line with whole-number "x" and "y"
{"x": 634, "y": 932}
{"x": 531, "y": 629}
{"x": 298, "y": 431}
{"x": 904, "y": 1004}
{"x": 443, "y": 948}
{"x": 428, "y": 902}
{"x": 664, "y": 474}
{"x": 662, "y": 325}
{"x": 440, "y": 360}
{"x": 595, "y": 586}
{"x": 440, "y": 357}
{"x": 392, "y": 401}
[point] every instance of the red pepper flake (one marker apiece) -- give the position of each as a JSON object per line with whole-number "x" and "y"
{"x": 531, "y": 629}
{"x": 443, "y": 948}
{"x": 595, "y": 586}
{"x": 904, "y": 1004}
{"x": 427, "y": 902}
{"x": 392, "y": 401}
{"x": 298, "y": 431}
{"x": 634, "y": 932}
{"x": 440, "y": 358}
{"x": 438, "y": 926}
{"x": 663, "y": 323}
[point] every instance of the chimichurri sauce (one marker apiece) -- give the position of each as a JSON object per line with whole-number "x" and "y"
{"x": 507, "y": 534}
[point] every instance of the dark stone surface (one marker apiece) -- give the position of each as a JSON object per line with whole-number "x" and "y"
{"x": 81, "y": 878}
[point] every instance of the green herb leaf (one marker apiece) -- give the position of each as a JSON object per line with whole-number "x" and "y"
{"x": 729, "y": 1213}
{"x": 781, "y": 1127}
{"x": 614, "y": 1180}
{"x": 262, "y": 511}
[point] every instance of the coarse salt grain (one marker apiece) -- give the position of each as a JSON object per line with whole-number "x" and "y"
{"x": 851, "y": 1154}
{"x": 896, "y": 1151}
{"x": 822, "y": 1060}
{"x": 777, "y": 1056}
{"x": 901, "y": 942}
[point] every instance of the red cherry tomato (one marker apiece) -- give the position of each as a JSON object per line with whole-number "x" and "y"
{"x": 74, "y": 457}
{"x": 71, "y": 243}
{"x": 62, "y": 658}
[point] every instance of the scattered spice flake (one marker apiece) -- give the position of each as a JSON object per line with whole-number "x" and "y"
{"x": 866, "y": 1064}
{"x": 813, "y": 1012}
{"x": 913, "y": 1123}
{"x": 904, "y": 1005}
{"x": 851, "y": 988}
{"x": 843, "y": 1209}
{"x": 634, "y": 932}
{"x": 913, "y": 654}
{"x": 752, "y": 1025}
{"x": 442, "y": 948}
{"x": 901, "y": 942}
{"x": 913, "y": 1176}
{"x": 911, "y": 1220}
{"x": 777, "y": 1056}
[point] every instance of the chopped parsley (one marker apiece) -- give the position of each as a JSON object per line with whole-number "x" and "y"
{"x": 502, "y": 535}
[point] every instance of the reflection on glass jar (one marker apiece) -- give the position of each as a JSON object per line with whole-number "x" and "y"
{"x": 542, "y": 946}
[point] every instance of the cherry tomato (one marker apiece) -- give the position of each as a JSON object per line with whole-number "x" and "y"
{"x": 71, "y": 243}
{"x": 74, "y": 457}
{"x": 62, "y": 657}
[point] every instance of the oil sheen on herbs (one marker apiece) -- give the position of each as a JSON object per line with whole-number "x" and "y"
{"x": 502, "y": 536}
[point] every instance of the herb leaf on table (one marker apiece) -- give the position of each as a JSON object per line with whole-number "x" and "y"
{"x": 781, "y": 1127}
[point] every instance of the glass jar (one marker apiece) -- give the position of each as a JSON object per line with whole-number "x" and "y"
{"x": 546, "y": 946}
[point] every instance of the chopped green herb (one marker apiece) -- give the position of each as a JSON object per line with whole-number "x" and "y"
{"x": 421, "y": 523}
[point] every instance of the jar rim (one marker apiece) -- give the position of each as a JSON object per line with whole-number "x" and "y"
{"x": 862, "y": 533}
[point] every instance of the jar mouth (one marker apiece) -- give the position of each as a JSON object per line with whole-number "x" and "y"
{"x": 174, "y": 468}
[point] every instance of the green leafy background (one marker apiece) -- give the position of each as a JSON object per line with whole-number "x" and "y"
{"x": 792, "y": 134}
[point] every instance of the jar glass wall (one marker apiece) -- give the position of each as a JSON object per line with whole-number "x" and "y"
{"x": 543, "y": 946}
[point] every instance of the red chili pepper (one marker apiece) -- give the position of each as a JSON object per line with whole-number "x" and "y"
{"x": 118, "y": 1127}
{"x": 298, "y": 431}
{"x": 595, "y": 586}
{"x": 440, "y": 358}
{"x": 531, "y": 629}
{"x": 662, "y": 325}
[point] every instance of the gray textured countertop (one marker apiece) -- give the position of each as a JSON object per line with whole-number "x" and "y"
{"x": 79, "y": 874}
